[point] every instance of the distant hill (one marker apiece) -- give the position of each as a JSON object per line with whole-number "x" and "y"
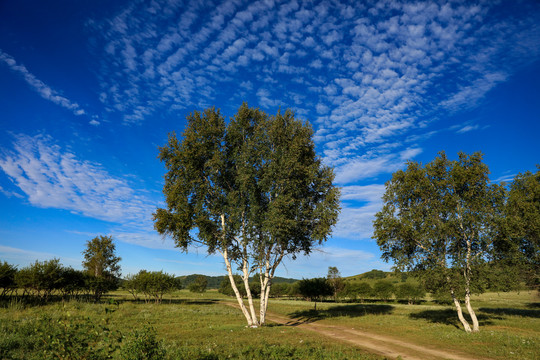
{"x": 215, "y": 281}
{"x": 376, "y": 275}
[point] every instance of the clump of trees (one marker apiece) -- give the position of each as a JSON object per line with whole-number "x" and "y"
{"x": 151, "y": 284}
{"x": 42, "y": 279}
{"x": 254, "y": 190}
{"x": 451, "y": 226}
{"x": 199, "y": 285}
{"x": 315, "y": 289}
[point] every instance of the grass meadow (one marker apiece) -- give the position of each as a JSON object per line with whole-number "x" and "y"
{"x": 200, "y": 326}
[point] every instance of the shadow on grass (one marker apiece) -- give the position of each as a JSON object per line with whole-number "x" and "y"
{"x": 174, "y": 301}
{"x": 308, "y": 316}
{"x": 450, "y": 317}
{"x": 109, "y": 299}
{"x": 512, "y": 312}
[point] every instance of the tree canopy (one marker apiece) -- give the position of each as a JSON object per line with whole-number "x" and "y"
{"x": 253, "y": 190}
{"x": 522, "y": 223}
{"x": 440, "y": 220}
{"x": 101, "y": 263}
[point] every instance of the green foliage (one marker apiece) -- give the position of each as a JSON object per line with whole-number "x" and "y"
{"x": 253, "y": 189}
{"x": 409, "y": 292}
{"x": 383, "y": 290}
{"x": 280, "y": 289}
{"x": 521, "y": 229}
{"x": 72, "y": 282}
{"x": 374, "y": 274}
{"x": 142, "y": 345}
{"x": 226, "y": 289}
{"x": 335, "y": 281}
{"x": 356, "y": 290}
{"x": 199, "y": 285}
{"x": 441, "y": 220}
{"x": 40, "y": 278}
{"x": 101, "y": 264}
{"x": 7, "y": 278}
{"x": 315, "y": 289}
{"x": 64, "y": 338}
{"x": 152, "y": 284}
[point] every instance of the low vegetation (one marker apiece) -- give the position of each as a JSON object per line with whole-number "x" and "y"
{"x": 187, "y": 325}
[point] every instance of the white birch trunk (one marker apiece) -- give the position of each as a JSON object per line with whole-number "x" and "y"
{"x": 464, "y": 322}
{"x": 245, "y": 278}
{"x": 231, "y": 277}
{"x": 235, "y": 289}
{"x": 476, "y": 326}
{"x": 472, "y": 314}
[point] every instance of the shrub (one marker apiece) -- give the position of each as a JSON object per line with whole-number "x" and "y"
{"x": 142, "y": 345}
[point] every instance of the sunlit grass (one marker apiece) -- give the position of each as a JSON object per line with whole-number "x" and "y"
{"x": 509, "y": 323}
{"x": 191, "y": 326}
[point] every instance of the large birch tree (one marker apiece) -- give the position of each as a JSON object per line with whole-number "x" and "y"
{"x": 253, "y": 190}
{"x": 439, "y": 220}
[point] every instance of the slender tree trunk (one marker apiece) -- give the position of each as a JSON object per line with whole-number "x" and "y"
{"x": 235, "y": 289}
{"x": 245, "y": 278}
{"x": 476, "y": 326}
{"x": 466, "y": 325}
{"x": 231, "y": 277}
{"x": 467, "y": 274}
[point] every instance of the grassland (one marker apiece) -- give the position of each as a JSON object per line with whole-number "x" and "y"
{"x": 201, "y": 326}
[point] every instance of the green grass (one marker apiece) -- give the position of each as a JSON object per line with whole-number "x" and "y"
{"x": 200, "y": 326}
{"x": 509, "y": 323}
{"x": 189, "y": 326}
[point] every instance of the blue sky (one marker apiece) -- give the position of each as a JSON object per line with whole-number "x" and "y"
{"x": 90, "y": 89}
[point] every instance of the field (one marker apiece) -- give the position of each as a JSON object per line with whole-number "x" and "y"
{"x": 205, "y": 326}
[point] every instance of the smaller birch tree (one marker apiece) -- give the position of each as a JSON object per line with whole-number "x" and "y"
{"x": 439, "y": 220}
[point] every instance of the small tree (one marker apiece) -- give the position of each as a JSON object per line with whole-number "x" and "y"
{"x": 199, "y": 285}
{"x": 225, "y": 287}
{"x": 7, "y": 278}
{"x": 280, "y": 289}
{"x": 314, "y": 289}
{"x": 411, "y": 293}
{"x": 335, "y": 280}
{"x": 440, "y": 220}
{"x": 101, "y": 264}
{"x": 72, "y": 282}
{"x": 40, "y": 278}
{"x": 383, "y": 290}
{"x": 363, "y": 291}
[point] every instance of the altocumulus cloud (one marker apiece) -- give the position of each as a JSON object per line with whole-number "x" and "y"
{"x": 365, "y": 73}
{"x": 54, "y": 178}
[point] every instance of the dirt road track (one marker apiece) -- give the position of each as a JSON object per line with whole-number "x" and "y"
{"x": 374, "y": 343}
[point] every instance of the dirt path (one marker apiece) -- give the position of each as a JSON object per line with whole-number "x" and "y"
{"x": 374, "y": 343}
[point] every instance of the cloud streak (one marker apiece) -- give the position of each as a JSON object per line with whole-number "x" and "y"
{"x": 44, "y": 90}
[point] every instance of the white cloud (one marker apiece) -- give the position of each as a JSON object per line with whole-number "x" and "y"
{"x": 468, "y": 128}
{"x": 359, "y": 205}
{"x": 370, "y": 166}
{"x": 40, "y": 87}
{"x": 54, "y": 178}
{"x": 369, "y": 74}
{"x": 27, "y": 257}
